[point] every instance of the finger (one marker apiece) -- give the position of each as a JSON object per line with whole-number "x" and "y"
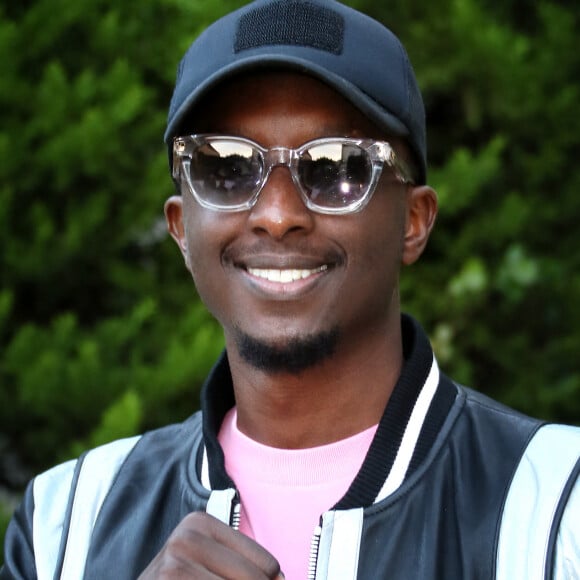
{"x": 202, "y": 539}
{"x": 240, "y": 543}
{"x": 202, "y": 559}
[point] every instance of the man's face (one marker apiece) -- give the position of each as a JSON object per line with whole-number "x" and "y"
{"x": 278, "y": 274}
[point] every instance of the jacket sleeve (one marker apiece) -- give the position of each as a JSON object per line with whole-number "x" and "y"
{"x": 34, "y": 536}
{"x": 539, "y": 526}
{"x": 567, "y": 557}
{"x": 19, "y": 561}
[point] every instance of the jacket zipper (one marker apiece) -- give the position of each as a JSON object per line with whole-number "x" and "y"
{"x": 235, "y": 516}
{"x": 314, "y": 547}
{"x": 236, "y": 512}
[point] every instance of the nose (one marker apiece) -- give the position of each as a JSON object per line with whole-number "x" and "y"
{"x": 280, "y": 210}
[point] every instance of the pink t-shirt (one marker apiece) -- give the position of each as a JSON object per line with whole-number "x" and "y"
{"x": 285, "y": 491}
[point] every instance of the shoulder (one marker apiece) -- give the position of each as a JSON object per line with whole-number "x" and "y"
{"x": 91, "y": 476}
{"x": 544, "y": 444}
{"x": 495, "y": 423}
{"x": 101, "y": 464}
{"x": 485, "y": 431}
{"x": 62, "y": 504}
{"x": 478, "y": 403}
{"x": 539, "y": 523}
{"x": 70, "y": 496}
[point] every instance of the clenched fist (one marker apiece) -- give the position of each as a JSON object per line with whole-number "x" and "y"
{"x": 202, "y": 547}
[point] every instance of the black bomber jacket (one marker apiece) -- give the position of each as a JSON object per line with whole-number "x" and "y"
{"x": 484, "y": 492}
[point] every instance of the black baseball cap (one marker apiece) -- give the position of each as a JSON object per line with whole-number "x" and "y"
{"x": 354, "y": 54}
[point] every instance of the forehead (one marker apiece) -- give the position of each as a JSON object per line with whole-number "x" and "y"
{"x": 251, "y": 100}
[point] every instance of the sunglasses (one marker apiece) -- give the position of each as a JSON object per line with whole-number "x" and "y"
{"x": 333, "y": 175}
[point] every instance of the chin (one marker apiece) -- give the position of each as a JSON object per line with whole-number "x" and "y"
{"x": 290, "y": 355}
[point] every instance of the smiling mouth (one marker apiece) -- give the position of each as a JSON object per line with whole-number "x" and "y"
{"x": 285, "y": 276}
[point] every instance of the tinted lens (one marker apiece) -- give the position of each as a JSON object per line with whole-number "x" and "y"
{"x": 335, "y": 175}
{"x": 225, "y": 173}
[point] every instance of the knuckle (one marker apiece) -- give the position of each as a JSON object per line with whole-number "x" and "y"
{"x": 270, "y": 565}
{"x": 198, "y": 520}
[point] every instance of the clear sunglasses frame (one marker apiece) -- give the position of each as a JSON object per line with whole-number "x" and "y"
{"x": 380, "y": 153}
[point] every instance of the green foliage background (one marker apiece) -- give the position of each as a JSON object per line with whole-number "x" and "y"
{"x": 101, "y": 332}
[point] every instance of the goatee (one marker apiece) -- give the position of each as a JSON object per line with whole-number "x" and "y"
{"x": 297, "y": 354}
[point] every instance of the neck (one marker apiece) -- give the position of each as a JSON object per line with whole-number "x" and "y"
{"x": 342, "y": 395}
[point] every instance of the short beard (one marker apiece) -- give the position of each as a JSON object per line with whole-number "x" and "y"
{"x": 295, "y": 356}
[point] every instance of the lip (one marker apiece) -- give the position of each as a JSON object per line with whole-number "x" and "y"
{"x": 280, "y": 272}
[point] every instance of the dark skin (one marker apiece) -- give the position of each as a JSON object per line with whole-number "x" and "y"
{"x": 356, "y": 293}
{"x": 202, "y": 547}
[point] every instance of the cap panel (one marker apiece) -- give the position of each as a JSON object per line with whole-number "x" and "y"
{"x": 292, "y": 24}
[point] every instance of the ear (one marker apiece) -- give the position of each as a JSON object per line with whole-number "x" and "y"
{"x": 421, "y": 214}
{"x": 174, "y": 219}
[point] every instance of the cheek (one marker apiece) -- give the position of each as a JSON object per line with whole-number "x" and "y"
{"x": 208, "y": 233}
{"x": 385, "y": 235}
{"x": 205, "y": 271}
{"x": 201, "y": 245}
{"x": 377, "y": 261}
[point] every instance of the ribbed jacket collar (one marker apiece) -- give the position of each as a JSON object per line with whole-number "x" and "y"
{"x": 218, "y": 397}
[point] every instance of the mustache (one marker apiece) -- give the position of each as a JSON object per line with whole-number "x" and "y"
{"x": 302, "y": 252}
{"x": 238, "y": 252}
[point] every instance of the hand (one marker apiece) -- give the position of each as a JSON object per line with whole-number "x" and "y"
{"x": 202, "y": 547}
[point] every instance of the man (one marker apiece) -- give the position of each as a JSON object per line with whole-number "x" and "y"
{"x": 330, "y": 444}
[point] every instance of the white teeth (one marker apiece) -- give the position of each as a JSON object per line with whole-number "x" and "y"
{"x": 284, "y": 276}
